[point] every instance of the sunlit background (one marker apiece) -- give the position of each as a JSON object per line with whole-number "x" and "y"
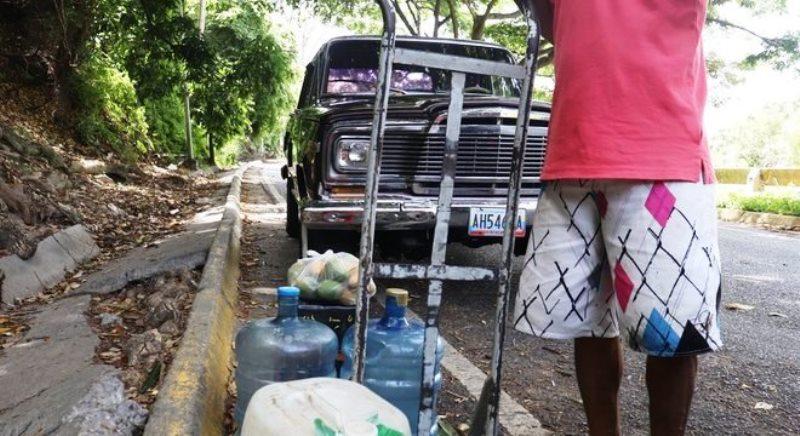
{"x": 753, "y": 115}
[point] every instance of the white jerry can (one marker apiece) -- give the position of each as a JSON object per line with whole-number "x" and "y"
{"x": 321, "y": 406}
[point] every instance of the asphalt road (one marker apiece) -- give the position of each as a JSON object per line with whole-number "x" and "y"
{"x": 760, "y": 362}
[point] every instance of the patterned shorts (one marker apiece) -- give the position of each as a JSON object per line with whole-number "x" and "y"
{"x": 640, "y": 257}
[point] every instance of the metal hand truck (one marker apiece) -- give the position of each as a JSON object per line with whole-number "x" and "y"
{"x": 437, "y": 271}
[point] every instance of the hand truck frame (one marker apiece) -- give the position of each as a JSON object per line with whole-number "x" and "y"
{"x": 437, "y": 271}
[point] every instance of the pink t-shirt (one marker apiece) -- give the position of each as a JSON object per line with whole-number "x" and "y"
{"x": 630, "y": 91}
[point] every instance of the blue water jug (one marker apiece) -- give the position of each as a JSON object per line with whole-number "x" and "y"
{"x": 282, "y": 349}
{"x": 393, "y": 367}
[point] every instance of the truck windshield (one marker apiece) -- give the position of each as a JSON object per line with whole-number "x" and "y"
{"x": 353, "y": 69}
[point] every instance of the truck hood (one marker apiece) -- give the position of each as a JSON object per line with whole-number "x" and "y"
{"x": 432, "y": 108}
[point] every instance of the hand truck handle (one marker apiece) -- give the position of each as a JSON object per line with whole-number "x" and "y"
{"x": 487, "y": 413}
{"x": 371, "y": 189}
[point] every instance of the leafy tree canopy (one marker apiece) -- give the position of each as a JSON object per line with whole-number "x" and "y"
{"x": 500, "y": 21}
{"x": 119, "y": 68}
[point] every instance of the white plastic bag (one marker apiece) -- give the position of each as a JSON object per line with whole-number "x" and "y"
{"x": 329, "y": 276}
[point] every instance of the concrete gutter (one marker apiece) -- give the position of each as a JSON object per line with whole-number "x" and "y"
{"x": 192, "y": 398}
{"x": 771, "y": 221}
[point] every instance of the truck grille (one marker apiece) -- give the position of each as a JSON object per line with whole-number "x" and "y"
{"x": 480, "y": 155}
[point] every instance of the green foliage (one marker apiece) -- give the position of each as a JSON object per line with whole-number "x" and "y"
{"x": 511, "y": 35}
{"x": 238, "y": 75}
{"x": 110, "y": 114}
{"x": 229, "y": 152}
{"x": 424, "y": 17}
{"x": 165, "y": 118}
{"x": 124, "y": 64}
{"x": 495, "y": 20}
{"x": 766, "y": 203}
{"x": 245, "y": 88}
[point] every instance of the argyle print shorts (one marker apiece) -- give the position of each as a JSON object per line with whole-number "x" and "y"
{"x": 640, "y": 258}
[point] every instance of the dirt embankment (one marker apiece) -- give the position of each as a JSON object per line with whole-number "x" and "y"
{"x": 49, "y": 181}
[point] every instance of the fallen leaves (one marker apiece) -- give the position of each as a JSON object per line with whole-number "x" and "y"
{"x": 140, "y": 329}
{"x": 761, "y": 405}
{"x": 136, "y": 205}
{"x": 739, "y": 307}
{"x": 12, "y": 326}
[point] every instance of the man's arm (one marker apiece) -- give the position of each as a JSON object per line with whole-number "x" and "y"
{"x": 544, "y": 10}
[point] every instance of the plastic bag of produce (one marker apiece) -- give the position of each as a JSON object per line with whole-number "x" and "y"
{"x": 329, "y": 276}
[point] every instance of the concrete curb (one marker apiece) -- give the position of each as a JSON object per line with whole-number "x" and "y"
{"x": 56, "y": 255}
{"x": 192, "y": 398}
{"x": 770, "y": 220}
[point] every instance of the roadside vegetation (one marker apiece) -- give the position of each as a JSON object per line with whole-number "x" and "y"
{"x": 120, "y": 73}
{"x": 764, "y": 203}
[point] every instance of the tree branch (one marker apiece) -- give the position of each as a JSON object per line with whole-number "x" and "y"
{"x": 504, "y": 15}
{"x": 774, "y": 42}
{"x": 473, "y": 10}
{"x": 403, "y": 17}
{"x": 414, "y": 16}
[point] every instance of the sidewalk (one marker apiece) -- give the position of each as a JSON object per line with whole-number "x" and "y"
{"x": 46, "y": 374}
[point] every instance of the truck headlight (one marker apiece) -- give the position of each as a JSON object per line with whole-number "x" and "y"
{"x": 351, "y": 154}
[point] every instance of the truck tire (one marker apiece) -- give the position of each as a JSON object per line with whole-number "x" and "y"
{"x": 292, "y": 212}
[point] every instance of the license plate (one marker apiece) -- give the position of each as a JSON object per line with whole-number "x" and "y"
{"x": 487, "y": 221}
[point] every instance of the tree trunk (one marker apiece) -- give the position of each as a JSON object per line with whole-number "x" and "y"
{"x": 212, "y": 158}
{"x": 479, "y": 21}
{"x": 436, "y": 22}
{"x": 187, "y": 124}
{"x": 478, "y": 27}
{"x": 202, "y": 17}
{"x": 61, "y": 71}
{"x": 454, "y": 17}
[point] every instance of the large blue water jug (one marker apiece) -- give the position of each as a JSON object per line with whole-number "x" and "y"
{"x": 393, "y": 367}
{"x": 282, "y": 349}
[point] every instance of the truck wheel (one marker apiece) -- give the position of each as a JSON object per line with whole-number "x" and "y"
{"x": 292, "y": 212}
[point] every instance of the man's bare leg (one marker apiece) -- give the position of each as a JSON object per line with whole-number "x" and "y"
{"x": 670, "y": 383}
{"x": 598, "y": 364}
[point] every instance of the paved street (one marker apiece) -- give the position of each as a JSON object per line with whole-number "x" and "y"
{"x": 759, "y": 363}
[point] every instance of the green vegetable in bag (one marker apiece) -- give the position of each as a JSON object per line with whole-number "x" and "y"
{"x": 308, "y": 286}
{"x": 295, "y": 270}
{"x": 338, "y": 267}
{"x": 330, "y": 290}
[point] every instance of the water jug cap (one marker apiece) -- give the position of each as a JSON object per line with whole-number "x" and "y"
{"x": 401, "y": 295}
{"x": 288, "y": 291}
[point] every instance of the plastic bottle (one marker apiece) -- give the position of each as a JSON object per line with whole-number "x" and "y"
{"x": 282, "y": 349}
{"x": 393, "y": 368}
{"x": 322, "y": 406}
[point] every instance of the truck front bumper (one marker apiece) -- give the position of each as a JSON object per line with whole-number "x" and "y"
{"x": 394, "y": 215}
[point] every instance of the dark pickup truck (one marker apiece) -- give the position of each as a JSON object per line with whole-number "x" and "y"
{"x": 329, "y": 135}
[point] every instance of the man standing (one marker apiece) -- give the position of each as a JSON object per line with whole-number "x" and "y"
{"x": 624, "y": 239}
